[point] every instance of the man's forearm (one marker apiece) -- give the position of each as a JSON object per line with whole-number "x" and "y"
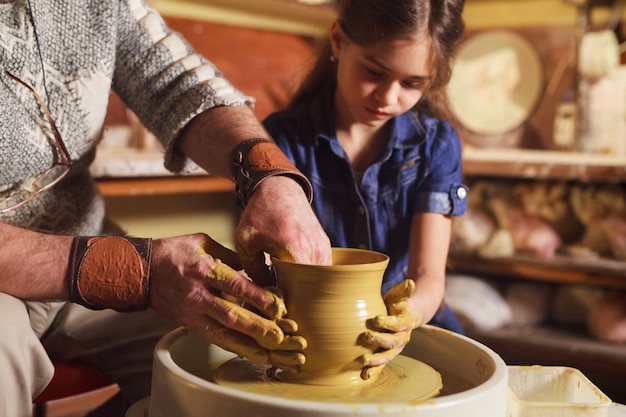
{"x": 210, "y": 138}
{"x": 33, "y": 266}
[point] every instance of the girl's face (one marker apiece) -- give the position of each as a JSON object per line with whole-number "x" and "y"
{"x": 378, "y": 82}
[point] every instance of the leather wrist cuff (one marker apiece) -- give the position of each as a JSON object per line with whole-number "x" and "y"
{"x": 255, "y": 160}
{"x": 110, "y": 272}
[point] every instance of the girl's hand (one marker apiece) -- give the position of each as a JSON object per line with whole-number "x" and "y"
{"x": 393, "y": 331}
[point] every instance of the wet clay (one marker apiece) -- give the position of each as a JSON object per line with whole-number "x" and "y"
{"x": 332, "y": 305}
{"x": 223, "y": 272}
{"x": 404, "y": 380}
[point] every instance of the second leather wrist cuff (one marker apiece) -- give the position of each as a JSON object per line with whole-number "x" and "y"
{"x": 110, "y": 272}
{"x": 255, "y": 160}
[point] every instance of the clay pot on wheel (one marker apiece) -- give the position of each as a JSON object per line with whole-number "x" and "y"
{"x": 331, "y": 304}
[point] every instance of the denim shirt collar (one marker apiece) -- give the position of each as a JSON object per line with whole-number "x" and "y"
{"x": 408, "y": 130}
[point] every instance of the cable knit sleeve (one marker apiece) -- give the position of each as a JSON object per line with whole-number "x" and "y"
{"x": 163, "y": 80}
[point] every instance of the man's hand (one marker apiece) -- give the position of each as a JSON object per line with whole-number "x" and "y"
{"x": 279, "y": 220}
{"x": 193, "y": 284}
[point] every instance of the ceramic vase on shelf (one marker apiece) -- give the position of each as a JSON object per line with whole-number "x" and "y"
{"x": 331, "y": 304}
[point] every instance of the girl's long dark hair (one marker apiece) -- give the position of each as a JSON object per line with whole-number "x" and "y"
{"x": 367, "y": 22}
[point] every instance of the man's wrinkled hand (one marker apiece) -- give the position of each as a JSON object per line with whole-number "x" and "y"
{"x": 272, "y": 336}
{"x": 390, "y": 333}
{"x": 190, "y": 285}
{"x": 279, "y": 221}
{"x": 288, "y": 356}
{"x": 267, "y": 343}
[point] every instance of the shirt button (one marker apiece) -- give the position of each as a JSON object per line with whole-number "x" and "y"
{"x": 461, "y": 193}
{"x": 361, "y": 210}
{"x": 362, "y": 246}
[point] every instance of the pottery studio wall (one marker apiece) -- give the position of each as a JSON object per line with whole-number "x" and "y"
{"x": 296, "y": 27}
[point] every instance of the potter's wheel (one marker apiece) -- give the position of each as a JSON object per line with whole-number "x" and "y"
{"x": 404, "y": 380}
{"x": 474, "y": 383}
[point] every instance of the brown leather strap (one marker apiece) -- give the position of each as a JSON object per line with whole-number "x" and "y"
{"x": 255, "y": 160}
{"x": 110, "y": 272}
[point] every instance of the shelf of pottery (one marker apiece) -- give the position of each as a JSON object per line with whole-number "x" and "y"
{"x": 537, "y": 266}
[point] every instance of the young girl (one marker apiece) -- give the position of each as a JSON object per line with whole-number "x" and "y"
{"x": 367, "y": 128}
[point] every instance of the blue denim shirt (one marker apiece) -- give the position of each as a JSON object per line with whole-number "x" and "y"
{"x": 418, "y": 170}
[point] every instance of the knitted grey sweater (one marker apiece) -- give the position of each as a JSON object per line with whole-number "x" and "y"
{"x": 74, "y": 52}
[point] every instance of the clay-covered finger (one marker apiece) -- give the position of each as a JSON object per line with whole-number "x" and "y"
{"x": 395, "y": 323}
{"x": 293, "y": 343}
{"x": 380, "y": 358}
{"x": 274, "y": 306}
{"x": 281, "y": 309}
{"x": 288, "y": 326}
{"x": 276, "y": 291}
{"x": 252, "y": 247}
{"x": 265, "y": 332}
{"x": 371, "y": 372}
{"x": 217, "y": 251}
{"x": 289, "y": 343}
{"x": 235, "y": 342}
{"x": 400, "y": 291}
{"x": 282, "y": 359}
{"x": 386, "y": 340}
{"x": 234, "y": 283}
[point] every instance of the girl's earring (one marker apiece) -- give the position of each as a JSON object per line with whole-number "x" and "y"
{"x": 333, "y": 59}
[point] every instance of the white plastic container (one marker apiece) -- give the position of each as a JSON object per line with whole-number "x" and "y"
{"x": 553, "y": 391}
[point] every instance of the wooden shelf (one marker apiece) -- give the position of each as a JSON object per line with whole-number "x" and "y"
{"x": 558, "y": 269}
{"x": 574, "y": 341}
{"x": 142, "y": 186}
{"x": 543, "y": 164}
